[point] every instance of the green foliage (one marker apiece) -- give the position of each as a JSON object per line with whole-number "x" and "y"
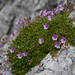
{"x": 28, "y": 38}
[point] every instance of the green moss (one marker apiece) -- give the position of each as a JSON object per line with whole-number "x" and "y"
{"x": 28, "y": 38}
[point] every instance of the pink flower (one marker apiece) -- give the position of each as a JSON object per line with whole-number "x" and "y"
{"x": 52, "y": 13}
{"x": 25, "y": 53}
{"x": 45, "y": 14}
{"x": 61, "y": 5}
{"x": 12, "y": 49}
{"x": 57, "y": 44}
{"x": 46, "y": 26}
{"x": 0, "y": 46}
{"x": 4, "y": 73}
{"x": 12, "y": 35}
{"x": 22, "y": 21}
{"x": 50, "y": 17}
{"x": 16, "y": 31}
{"x": 41, "y": 12}
{"x": 41, "y": 40}
{"x": 63, "y": 40}
{"x": 55, "y": 37}
{"x": 20, "y": 55}
{"x": 57, "y": 10}
{"x": 17, "y": 22}
{"x": 74, "y": 7}
{"x": 44, "y": 11}
{"x": 61, "y": 8}
{"x": 49, "y": 12}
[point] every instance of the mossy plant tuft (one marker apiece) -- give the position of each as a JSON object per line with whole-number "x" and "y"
{"x": 28, "y": 40}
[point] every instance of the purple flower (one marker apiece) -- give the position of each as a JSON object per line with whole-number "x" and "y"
{"x": 41, "y": 40}
{"x": 63, "y": 40}
{"x": 12, "y": 49}
{"x": 61, "y": 5}
{"x": 20, "y": 55}
{"x": 4, "y": 73}
{"x": 45, "y": 14}
{"x": 57, "y": 10}
{"x": 55, "y": 37}
{"x": 25, "y": 53}
{"x": 44, "y": 11}
{"x": 50, "y": 17}
{"x": 74, "y": 7}
{"x": 12, "y": 35}
{"x": 46, "y": 26}
{"x": 22, "y": 21}
{"x": 57, "y": 44}
{"x": 61, "y": 8}
{"x": 0, "y": 46}
{"x": 52, "y": 13}
{"x": 28, "y": 61}
{"x": 49, "y": 12}
{"x": 41, "y": 12}
{"x": 17, "y": 22}
{"x": 16, "y": 31}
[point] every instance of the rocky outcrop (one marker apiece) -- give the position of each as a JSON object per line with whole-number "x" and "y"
{"x": 63, "y": 64}
{"x": 14, "y": 10}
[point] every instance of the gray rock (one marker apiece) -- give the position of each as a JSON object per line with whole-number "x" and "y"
{"x": 62, "y": 67}
{"x": 5, "y": 38}
{"x": 6, "y": 17}
{"x": 15, "y": 10}
{"x": 72, "y": 15}
{"x": 2, "y": 3}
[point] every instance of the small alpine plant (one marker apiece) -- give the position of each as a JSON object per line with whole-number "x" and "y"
{"x": 47, "y": 34}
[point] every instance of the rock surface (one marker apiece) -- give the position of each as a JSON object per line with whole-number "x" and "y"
{"x": 50, "y": 66}
{"x": 14, "y": 10}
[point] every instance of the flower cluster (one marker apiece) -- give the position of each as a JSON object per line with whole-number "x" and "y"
{"x": 51, "y": 13}
{"x": 13, "y": 34}
{"x": 63, "y": 40}
{"x": 61, "y": 7}
{"x": 20, "y": 54}
{"x": 19, "y": 22}
{"x": 16, "y": 31}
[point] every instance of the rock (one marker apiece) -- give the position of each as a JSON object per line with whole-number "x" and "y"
{"x": 2, "y": 3}
{"x": 71, "y": 2}
{"x": 6, "y": 17}
{"x": 15, "y": 10}
{"x": 64, "y": 66}
{"x": 72, "y": 15}
{"x": 5, "y": 38}
{"x": 73, "y": 23}
{"x": 33, "y": 16}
